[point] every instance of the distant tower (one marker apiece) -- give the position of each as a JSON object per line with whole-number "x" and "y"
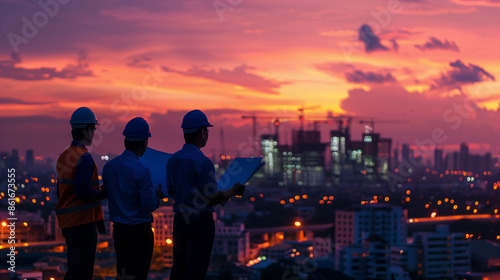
{"x": 405, "y": 152}
{"x": 308, "y": 147}
{"x": 14, "y": 160}
{"x": 269, "y": 144}
{"x": 396, "y": 157}
{"x": 438, "y": 159}
{"x": 464, "y": 157}
{"x": 30, "y": 160}
{"x": 384, "y": 158}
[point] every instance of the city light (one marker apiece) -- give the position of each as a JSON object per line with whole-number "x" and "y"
{"x": 297, "y": 223}
{"x": 169, "y": 241}
{"x": 433, "y": 215}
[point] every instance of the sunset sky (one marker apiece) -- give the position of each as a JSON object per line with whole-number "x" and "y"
{"x": 434, "y": 64}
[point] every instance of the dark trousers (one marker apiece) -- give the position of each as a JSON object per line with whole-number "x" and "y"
{"x": 134, "y": 249}
{"x": 81, "y": 242}
{"x": 193, "y": 239}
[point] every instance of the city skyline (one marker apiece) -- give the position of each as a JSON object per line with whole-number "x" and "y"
{"x": 431, "y": 64}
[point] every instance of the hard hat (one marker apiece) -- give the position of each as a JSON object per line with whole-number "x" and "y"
{"x": 193, "y": 120}
{"x": 137, "y": 129}
{"x": 81, "y": 117}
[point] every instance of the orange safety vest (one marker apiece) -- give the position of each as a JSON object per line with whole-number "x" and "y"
{"x": 70, "y": 210}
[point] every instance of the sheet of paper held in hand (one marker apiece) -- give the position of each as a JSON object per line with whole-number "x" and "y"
{"x": 156, "y": 161}
{"x": 240, "y": 170}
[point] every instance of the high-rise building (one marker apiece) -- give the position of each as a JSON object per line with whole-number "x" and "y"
{"x": 233, "y": 242}
{"x": 438, "y": 160}
{"x": 269, "y": 144}
{"x": 384, "y": 158}
{"x": 396, "y": 158}
{"x": 4, "y": 160}
{"x": 370, "y": 155}
{"x": 367, "y": 260}
{"x": 339, "y": 142}
{"x": 388, "y": 222}
{"x": 440, "y": 254}
{"x": 291, "y": 166}
{"x": 405, "y": 153}
{"x": 163, "y": 223}
{"x": 14, "y": 159}
{"x": 30, "y": 160}
{"x": 307, "y": 145}
{"x": 464, "y": 157}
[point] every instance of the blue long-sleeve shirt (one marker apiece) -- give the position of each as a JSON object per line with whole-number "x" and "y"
{"x": 191, "y": 178}
{"x": 84, "y": 168}
{"x": 131, "y": 194}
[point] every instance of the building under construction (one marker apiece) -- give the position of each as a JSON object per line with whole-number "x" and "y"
{"x": 305, "y": 161}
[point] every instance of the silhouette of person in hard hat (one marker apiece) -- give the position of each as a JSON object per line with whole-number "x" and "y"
{"x": 191, "y": 180}
{"x": 78, "y": 209}
{"x": 132, "y": 198}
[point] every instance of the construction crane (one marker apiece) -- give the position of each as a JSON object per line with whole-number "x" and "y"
{"x": 371, "y": 123}
{"x": 254, "y": 132}
{"x": 254, "y": 129}
{"x": 301, "y": 114}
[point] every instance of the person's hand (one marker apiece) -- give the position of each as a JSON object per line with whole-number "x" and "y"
{"x": 101, "y": 193}
{"x": 239, "y": 189}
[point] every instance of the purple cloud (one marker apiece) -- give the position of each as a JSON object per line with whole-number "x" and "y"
{"x": 237, "y": 76}
{"x": 8, "y": 69}
{"x": 462, "y": 74}
{"x": 435, "y": 43}
{"x": 8, "y": 100}
{"x": 139, "y": 62}
{"x": 359, "y": 77}
{"x": 371, "y": 41}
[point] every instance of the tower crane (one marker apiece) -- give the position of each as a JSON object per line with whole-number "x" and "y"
{"x": 371, "y": 123}
{"x": 254, "y": 128}
{"x": 301, "y": 114}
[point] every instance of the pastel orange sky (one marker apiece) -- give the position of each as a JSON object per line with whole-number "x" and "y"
{"x": 434, "y": 64}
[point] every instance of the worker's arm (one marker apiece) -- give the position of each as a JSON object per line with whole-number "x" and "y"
{"x": 84, "y": 169}
{"x": 170, "y": 187}
{"x": 221, "y": 196}
{"x": 147, "y": 192}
